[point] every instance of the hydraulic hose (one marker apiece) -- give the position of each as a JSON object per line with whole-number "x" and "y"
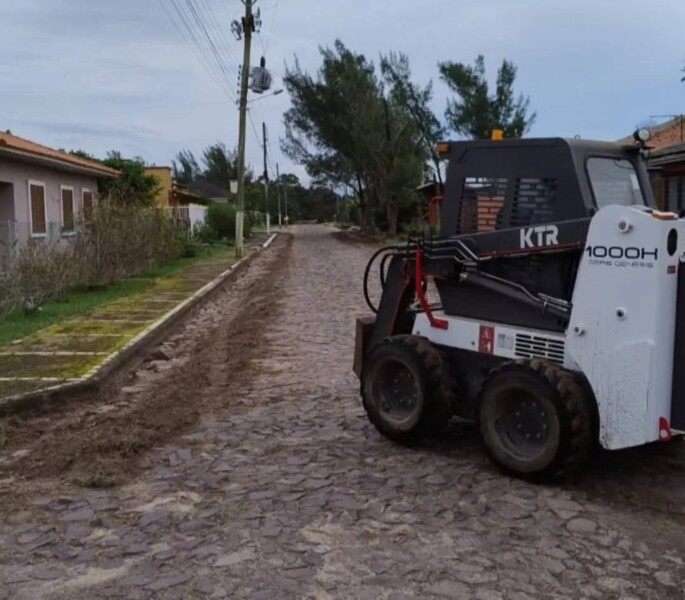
{"x": 382, "y": 271}
{"x": 391, "y": 250}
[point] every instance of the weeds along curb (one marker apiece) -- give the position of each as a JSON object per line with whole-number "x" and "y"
{"x": 92, "y": 381}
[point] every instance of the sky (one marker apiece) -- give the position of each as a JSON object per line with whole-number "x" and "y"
{"x": 125, "y": 75}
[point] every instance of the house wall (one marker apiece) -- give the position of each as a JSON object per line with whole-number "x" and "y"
{"x": 19, "y": 173}
{"x": 196, "y": 214}
{"x": 163, "y": 174}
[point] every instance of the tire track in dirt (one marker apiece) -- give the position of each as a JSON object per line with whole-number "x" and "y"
{"x": 98, "y": 440}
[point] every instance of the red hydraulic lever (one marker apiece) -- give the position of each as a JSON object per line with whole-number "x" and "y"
{"x": 418, "y": 279}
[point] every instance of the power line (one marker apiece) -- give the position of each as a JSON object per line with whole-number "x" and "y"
{"x": 219, "y": 34}
{"x": 254, "y": 128}
{"x": 205, "y": 57}
{"x": 271, "y": 27}
{"x": 202, "y": 26}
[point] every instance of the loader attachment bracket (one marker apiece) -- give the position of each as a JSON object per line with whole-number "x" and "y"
{"x": 420, "y": 294}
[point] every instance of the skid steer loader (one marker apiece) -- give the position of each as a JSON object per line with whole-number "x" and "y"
{"x": 549, "y": 309}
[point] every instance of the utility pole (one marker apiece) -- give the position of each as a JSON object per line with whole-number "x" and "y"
{"x": 266, "y": 183}
{"x": 285, "y": 203}
{"x": 278, "y": 194}
{"x": 248, "y": 26}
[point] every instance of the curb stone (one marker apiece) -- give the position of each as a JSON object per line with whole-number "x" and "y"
{"x": 97, "y": 376}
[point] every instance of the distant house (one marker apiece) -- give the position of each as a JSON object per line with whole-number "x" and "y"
{"x": 666, "y": 163}
{"x": 211, "y": 191}
{"x": 181, "y": 202}
{"x": 171, "y": 192}
{"x": 42, "y": 191}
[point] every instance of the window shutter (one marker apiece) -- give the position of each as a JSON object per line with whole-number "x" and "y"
{"x": 68, "y": 210}
{"x": 87, "y": 204}
{"x": 38, "y": 224}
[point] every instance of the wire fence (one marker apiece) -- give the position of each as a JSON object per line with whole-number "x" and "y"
{"x": 186, "y": 217}
{"x": 15, "y": 233}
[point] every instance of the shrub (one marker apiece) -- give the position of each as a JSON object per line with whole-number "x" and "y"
{"x": 189, "y": 247}
{"x": 221, "y": 218}
{"x": 116, "y": 241}
{"x": 205, "y": 233}
{"x": 39, "y": 271}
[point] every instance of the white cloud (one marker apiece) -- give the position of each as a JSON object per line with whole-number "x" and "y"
{"x": 118, "y": 75}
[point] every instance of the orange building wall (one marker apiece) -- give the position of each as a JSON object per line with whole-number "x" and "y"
{"x": 163, "y": 174}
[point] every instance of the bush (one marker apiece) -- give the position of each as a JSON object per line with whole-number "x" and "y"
{"x": 189, "y": 246}
{"x": 221, "y": 218}
{"x": 40, "y": 271}
{"x": 205, "y": 233}
{"x": 119, "y": 241}
{"x": 114, "y": 242}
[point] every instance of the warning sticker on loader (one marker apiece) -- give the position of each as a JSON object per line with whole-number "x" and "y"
{"x": 505, "y": 342}
{"x": 486, "y": 339}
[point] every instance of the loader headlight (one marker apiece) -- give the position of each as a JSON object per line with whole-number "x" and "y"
{"x": 642, "y": 135}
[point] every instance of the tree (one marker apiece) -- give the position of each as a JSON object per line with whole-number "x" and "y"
{"x": 221, "y": 165}
{"x": 347, "y": 130}
{"x": 186, "y": 169}
{"x": 476, "y": 112}
{"x": 133, "y": 186}
{"x": 416, "y": 101}
{"x": 335, "y": 123}
{"x": 82, "y": 154}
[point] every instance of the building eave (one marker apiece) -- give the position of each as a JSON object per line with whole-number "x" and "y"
{"x": 55, "y": 163}
{"x": 665, "y": 156}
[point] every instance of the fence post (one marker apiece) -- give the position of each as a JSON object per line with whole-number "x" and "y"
{"x": 11, "y": 239}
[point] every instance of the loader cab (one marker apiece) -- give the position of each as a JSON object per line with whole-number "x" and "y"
{"x": 528, "y": 204}
{"x": 494, "y": 185}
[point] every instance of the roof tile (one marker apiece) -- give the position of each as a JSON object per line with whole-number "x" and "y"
{"x": 15, "y": 142}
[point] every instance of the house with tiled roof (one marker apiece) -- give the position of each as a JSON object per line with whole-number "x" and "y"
{"x": 666, "y": 162}
{"x": 42, "y": 191}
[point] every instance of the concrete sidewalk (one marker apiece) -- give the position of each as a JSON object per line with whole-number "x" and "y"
{"x": 73, "y": 350}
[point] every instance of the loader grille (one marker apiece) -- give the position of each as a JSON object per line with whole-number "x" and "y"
{"x": 534, "y": 201}
{"x": 537, "y": 346}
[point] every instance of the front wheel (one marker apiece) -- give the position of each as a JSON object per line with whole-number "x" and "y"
{"x": 407, "y": 389}
{"x": 536, "y": 420}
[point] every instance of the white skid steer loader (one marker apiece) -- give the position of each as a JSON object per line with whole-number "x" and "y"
{"x": 560, "y": 313}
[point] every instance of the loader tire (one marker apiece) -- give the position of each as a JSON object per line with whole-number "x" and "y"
{"x": 407, "y": 389}
{"x": 536, "y": 420}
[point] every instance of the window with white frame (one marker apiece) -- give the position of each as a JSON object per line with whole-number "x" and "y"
{"x": 37, "y": 210}
{"x": 67, "y": 209}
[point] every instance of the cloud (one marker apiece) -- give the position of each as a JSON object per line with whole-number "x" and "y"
{"x": 102, "y": 75}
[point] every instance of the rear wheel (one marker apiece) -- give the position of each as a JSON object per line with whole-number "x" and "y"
{"x": 536, "y": 420}
{"x": 407, "y": 389}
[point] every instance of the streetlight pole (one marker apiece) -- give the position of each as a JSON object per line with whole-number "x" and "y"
{"x": 247, "y": 29}
{"x": 274, "y": 93}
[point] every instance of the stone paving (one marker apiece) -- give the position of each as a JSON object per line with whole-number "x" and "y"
{"x": 288, "y": 492}
{"x": 71, "y": 349}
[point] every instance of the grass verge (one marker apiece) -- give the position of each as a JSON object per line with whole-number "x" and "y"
{"x": 81, "y": 302}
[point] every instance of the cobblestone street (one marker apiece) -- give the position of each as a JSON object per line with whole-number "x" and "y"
{"x": 284, "y": 490}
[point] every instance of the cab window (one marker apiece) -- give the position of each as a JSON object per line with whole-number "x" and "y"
{"x": 614, "y": 181}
